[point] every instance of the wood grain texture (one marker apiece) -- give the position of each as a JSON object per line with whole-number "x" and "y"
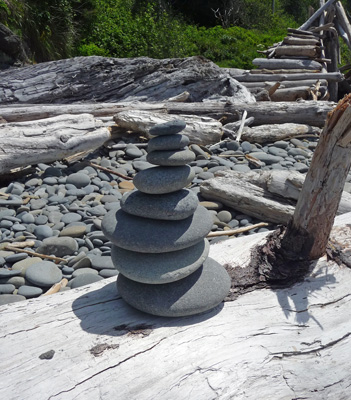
{"x": 283, "y": 344}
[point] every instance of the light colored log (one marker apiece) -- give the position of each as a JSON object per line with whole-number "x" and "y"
{"x": 323, "y": 187}
{"x": 291, "y": 94}
{"x": 200, "y": 130}
{"x": 282, "y": 343}
{"x": 289, "y": 40}
{"x": 267, "y": 195}
{"x": 330, "y": 77}
{"x": 286, "y": 64}
{"x": 298, "y": 51}
{"x": 316, "y": 15}
{"x": 282, "y": 71}
{"x": 48, "y": 140}
{"x": 271, "y": 133}
{"x": 285, "y": 84}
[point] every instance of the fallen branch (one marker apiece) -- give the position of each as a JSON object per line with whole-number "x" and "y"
{"x": 236, "y": 231}
{"x": 110, "y": 171}
{"x": 34, "y": 254}
{"x": 56, "y": 288}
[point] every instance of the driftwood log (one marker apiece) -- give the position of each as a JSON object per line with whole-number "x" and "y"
{"x": 99, "y": 79}
{"x": 267, "y": 195}
{"x": 200, "y": 130}
{"x": 273, "y": 63}
{"x": 329, "y": 76}
{"x": 312, "y": 113}
{"x": 273, "y": 132}
{"x": 87, "y": 343}
{"x": 48, "y": 140}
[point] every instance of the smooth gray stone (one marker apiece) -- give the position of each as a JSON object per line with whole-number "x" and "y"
{"x": 60, "y": 246}
{"x": 7, "y": 288}
{"x": 84, "y": 271}
{"x": 168, "y": 128}
{"x": 37, "y": 204}
{"x": 282, "y": 144}
{"x": 17, "y": 281}
{"x": 171, "y": 206}
{"x": 43, "y": 232}
{"x": 41, "y": 219}
{"x": 246, "y": 147}
{"x": 162, "y": 267}
{"x": 79, "y": 180}
{"x": 224, "y": 216}
{"x": 266, "y": 158}
{"x": 70, "y": 217}
{"x": 155, "y": 236}
{"x": 171, "y": 158}
{"x": 241, "y": 168}
{"x": 16, "y": 257}
{"x": 140, "y": 165}
{"x": 29, "y": 291}
{"x": 201, "y": 291}
{"x": 132, "y": 151}
{"x": 160, "y": 180}
{"x": 84, "y": 279}
{"x": 168, "y": 142}
{"x": 277, "y": 151}
{"x": 7, "y": 273}
{"x": 108, "y": 273}
{"x": 10, "y": 298}
{"x": 233, "y": 145}
{"x": 43, "y": 274}
{"x": 299, "y": 152}
{"x": 100, "y": 262}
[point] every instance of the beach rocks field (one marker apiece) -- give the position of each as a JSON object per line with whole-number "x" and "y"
{"x": 57, "y": 211}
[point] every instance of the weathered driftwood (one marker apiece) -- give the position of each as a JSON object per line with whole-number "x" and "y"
{"x": 283, "y": 343}
{"x": 273, "y": 132}
{"x": 316, "y": 15}
{"x": 298, "y": 41}
{"x": 283, "y": 84}
{"x": 343, "y": 20}
{"x": 47, "y": 140}
{"x": 99, "y": 79}
{"x": 311, "y": 113}
{"x": 268, "y": 195}
{"x": 329, "y": 76}
{"x": 325, "y": 180}
{"x": 274, "y": 63}
{"x": 200, "y": 130}
{"x": 291, "y": 94}
{"x": 298, "y": 51}
{"x": 282, "y": 71}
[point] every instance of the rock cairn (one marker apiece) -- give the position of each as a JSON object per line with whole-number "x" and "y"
{"x": 159, "y": 235}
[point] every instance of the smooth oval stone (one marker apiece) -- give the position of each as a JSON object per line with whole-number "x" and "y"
{"x": 108, "y": 273}
{"x": 168, "y": 128}
{"x": 43, "y": 274}
{"x": 60, "y": 246}
{"x": 29, "y": 291}
{"x": 168, "y": 142}
{"x": 224, "y": 216}
{"x": 159, "y": 180}
{"x": 155, "y": 236}
{"x": 79, "y": 180}
{"x": 169, "y": 158}
{"x": 162, "y": 267}
{"x": 7, "y": 288}
{"x": 71, "y": 217}
{"x": 74, "y": 231}
{"x": 10, "y": 298}
{"x": 267, "y": 158}
{"x": 7, "y": 273}
{"x": 132, "y": 151}
{"x": 84, "y": 279}
{"x": 100, "y": 262}
{"x": 201, "y": 291}
{"x": 43, "y": 232}
{"x": 84, "y": 271}
{"x": 171, "y": 206}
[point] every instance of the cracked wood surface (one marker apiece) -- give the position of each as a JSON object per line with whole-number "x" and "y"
{"x": 88, "y": 344}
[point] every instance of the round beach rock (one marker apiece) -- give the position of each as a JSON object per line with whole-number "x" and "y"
{"x": 201, "y": 291}
{"x": 146, "y": 235}
{"x": 43, "y": 274}
{"x": 169, "y": 142}
{"x": 171, "y": 158}
{"x": 160, "y": 180}
{"x": 171, "y": 206}
{"x": 162, "y": 267}
{"x": 168, "y": 128}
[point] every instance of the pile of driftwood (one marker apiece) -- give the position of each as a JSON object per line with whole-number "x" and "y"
{"x": 305, "y": 64}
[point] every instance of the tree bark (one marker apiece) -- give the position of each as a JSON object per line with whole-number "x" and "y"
{"x": 48, "y": 140}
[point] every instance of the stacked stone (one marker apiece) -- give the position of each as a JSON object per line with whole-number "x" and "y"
{"x": 159, "y": 235}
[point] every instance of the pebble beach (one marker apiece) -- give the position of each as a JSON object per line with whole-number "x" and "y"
{"x": 58, "y": 209}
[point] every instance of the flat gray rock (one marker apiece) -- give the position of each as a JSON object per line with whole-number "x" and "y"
{"x": 7, "y": 288}
{"x": 171, "y": 158}
{"x": 160, "y": 180}
{"x": 162, "y": 267}
{"x": 10, "y": 298}
{"x": 29, "y": 291}
{"x": 60, "y": 246}
{"x": 170, "y": 206}
{"x": 168, "y": 142}
{"x": 201, "y": 291}
{"x": 43, "y": 274}
{"x": 168, "y": 128}
{"x": 100, "y": 262}
{"x": 84, "y": 279}
{"x": 155, "y": 236}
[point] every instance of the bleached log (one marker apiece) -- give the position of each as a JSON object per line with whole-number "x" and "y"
{"x": 283, "y": 84}
{"x": 329, "y": 76}
{"x": 311, "y": 113}
{"x": 200, "y": 130}
{"x": 289, "y": 40}
{"x": 298, "y": 51}
{"x": 282, "y": 71}
{"x": 48, "y": 140}
{"x": 270, "y": 133}
{"x": 343, "y": 20}
{"x": 274, "y": 63}
{"x": 267, "y": 195}
{"x": 283, "y": 344}
{"x": 291, "y": 94}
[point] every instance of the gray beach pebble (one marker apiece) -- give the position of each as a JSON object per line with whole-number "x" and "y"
{"x": 43, "y": 274}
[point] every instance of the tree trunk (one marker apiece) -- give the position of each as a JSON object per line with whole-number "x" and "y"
{"x": 48, "y": 140}
{"x": 273, "y": 344}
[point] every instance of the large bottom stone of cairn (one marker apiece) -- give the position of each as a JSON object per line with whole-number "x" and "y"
{"x": 201, "y": 291}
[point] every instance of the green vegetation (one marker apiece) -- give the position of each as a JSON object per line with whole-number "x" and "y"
{"x": 227, "y": 32}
